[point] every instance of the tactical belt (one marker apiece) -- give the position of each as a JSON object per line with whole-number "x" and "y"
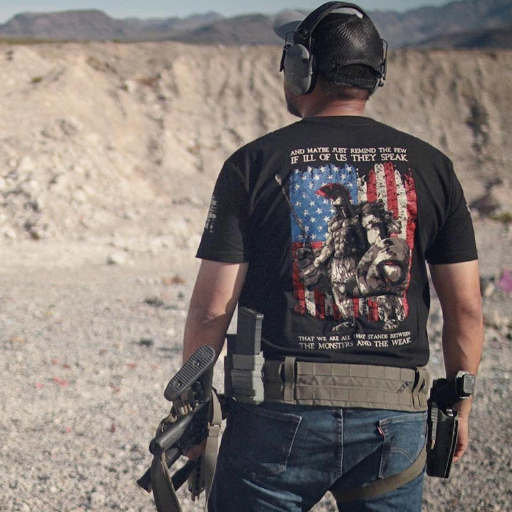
{"x": 344, "y": 385}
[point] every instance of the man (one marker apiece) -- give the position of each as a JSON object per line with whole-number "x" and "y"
{"x": 325, "y": 227}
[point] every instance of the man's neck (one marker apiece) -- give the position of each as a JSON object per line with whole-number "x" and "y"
{"x": 334, "y": 108}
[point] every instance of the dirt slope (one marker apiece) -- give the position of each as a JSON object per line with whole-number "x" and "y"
{"x": 94, "y": 137}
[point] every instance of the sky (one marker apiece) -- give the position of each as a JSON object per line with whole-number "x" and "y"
{"x": 169, "y": 8}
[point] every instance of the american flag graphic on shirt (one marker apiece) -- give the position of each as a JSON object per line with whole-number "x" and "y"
{"x": 312, "y": 213}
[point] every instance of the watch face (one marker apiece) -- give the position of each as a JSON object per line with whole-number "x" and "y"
{"x": 466, "y": 385}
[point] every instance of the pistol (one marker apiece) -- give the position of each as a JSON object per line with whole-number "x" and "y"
{"x": 443, "y": 421}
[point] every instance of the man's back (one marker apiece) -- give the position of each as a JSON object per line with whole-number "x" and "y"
{"x": 337, "y": 216}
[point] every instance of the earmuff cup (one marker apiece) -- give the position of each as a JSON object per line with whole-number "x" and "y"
{"x": 298, "y": 69}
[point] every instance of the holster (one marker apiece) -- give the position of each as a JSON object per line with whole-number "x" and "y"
{"x": 442, "y": 440}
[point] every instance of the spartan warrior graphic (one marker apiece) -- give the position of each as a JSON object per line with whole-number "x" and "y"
{"x": 362, "y": 262}
{"x": 342, "y": 250}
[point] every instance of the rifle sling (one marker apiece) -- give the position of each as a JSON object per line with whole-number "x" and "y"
{"x": 212, "y": 443}
{"x": 384, "y": 485}
{"x": 161, "y": 483}
{"x": 161, "y": 480}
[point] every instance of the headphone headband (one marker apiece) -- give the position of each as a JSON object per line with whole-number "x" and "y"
{"x": 305, "y": 30}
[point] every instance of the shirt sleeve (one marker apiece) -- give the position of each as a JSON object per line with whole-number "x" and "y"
{"x": 225, "y": 233}
{"x": 455, "y": 241}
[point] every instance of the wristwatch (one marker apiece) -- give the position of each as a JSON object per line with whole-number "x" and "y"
{"x": 464, "y": 384}
{"x": 446, "y": 393}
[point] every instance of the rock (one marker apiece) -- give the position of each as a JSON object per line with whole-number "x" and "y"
{"x": 505, "y": 282}
{"x": 79, "y": 196}
{"x": 495, "y": 202}
{"x": 97, "y": 499}
{"x": 129, "y": 86}
{"x": 116, "y": 258}
{"x": 487, "y": 286}
{"x": 497, "y": 320}
{"x": 36, "y": 233}
{"x": 156, "y": 302}
{"x": 174, "y": 280}
{"x": 20, "y": 340}
{"x": 146, "y": 342}
{"x": 26, "y": 165}
{"x": 501, "y": 195}
{"x": 38, "y": 204}
{"x": 10, "y": 233}
{"x": 70, "y": 126}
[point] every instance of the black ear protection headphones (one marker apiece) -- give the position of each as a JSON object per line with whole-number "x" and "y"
{"x": 298, "y": 62}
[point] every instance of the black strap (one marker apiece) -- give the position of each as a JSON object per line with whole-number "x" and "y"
{"x": 384, "y": 485}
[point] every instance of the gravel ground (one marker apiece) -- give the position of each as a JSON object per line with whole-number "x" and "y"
{"x": 86, "y": 356}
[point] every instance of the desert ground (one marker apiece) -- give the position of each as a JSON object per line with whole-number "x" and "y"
{"x": 108, "y": 156}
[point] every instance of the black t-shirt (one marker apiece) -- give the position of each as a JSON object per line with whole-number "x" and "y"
{"x": 337, "y": 217}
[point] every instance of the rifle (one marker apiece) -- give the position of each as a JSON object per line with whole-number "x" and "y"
{"x": 195, "y": 415}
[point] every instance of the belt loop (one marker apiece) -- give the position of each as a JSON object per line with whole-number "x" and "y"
{"x": 289, "y": 379}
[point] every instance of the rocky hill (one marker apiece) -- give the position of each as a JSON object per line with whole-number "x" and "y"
{"x": 406, "y": 29}
{"x": 90, "y": 25}
{"x": 103, "y": 138}
{"x": 412, "y": 27}
{"x": 249, "y": 29}
{"x": 499, "y": 37}
{"x": 399, "y": 29}
{"x": 73, "y": 25}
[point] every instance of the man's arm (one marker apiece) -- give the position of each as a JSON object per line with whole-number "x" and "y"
{"x": 458, "y": 288}
{"x": 214, "y": 299}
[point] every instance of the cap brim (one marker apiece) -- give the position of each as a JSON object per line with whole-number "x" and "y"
{"x": 287, "y": 22}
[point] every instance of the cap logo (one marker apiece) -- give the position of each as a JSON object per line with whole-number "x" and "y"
{"x": 348, "y": 10}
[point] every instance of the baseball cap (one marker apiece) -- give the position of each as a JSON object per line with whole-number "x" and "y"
{"x": 346, "y": 36}
{"x": 287, "y": 22}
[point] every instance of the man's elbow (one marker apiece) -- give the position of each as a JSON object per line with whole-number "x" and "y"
{"x": 468, "y": 312}
{"x": 472, "y": 308}
{"x": 207, "y": 310}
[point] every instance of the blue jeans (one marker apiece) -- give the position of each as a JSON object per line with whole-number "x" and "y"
{"x": 279, "y": 457}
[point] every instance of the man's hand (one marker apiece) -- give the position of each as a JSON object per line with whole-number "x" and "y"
{"x": 196, "y": 451}
{"x": 462, "y": 439}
